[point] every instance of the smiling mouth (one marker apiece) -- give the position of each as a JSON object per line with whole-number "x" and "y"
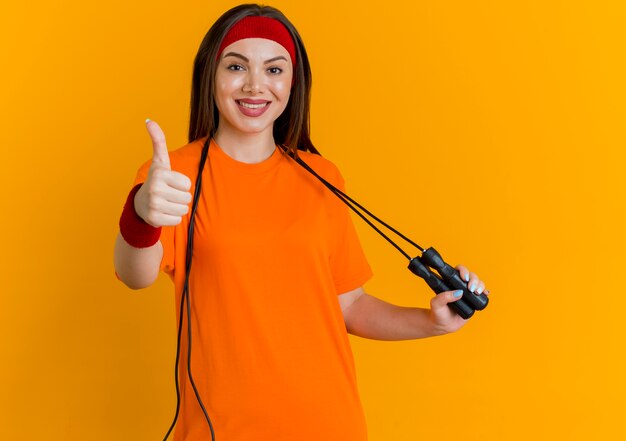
{"x": 252, "y": 106}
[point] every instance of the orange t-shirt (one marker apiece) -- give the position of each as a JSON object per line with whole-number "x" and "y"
{"x": 272, "y": 250}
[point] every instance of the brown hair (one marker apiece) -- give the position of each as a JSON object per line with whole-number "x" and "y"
{"x": 291, "y": 128}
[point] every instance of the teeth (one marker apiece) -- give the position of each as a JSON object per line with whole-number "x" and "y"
{"x": 252, "y": 106}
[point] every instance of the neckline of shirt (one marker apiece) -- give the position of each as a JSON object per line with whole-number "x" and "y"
{"x": 221, "y": 157}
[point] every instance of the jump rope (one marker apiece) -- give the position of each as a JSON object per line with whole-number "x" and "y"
{"x": 422, "y": 266}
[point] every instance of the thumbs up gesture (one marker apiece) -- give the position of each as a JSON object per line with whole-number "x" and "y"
{"x": 164, "y": 197}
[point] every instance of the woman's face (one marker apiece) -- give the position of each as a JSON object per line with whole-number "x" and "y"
{"x": 252, "y": 85}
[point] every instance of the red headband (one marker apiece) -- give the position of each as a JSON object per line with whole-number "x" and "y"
{"x": 254, "y": 26}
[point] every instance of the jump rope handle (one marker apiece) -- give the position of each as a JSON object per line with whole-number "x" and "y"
{"x": 420, "y": 269}
{"x": 468, "y": 303}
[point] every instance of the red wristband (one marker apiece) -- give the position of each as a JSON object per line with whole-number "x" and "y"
{"x": 136, "y": 231}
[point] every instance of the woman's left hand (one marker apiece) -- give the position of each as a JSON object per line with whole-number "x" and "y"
{"x": 444, "y": 319}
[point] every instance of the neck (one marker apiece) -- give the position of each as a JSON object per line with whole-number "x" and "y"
{"x": 245, "y": 147}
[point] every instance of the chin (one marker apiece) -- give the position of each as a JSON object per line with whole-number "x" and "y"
{"x": 251, "y": 129}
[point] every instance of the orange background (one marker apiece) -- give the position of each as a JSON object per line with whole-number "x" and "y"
{"x": 492, "y": 131}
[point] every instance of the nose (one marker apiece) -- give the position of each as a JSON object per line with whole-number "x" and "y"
{"x": 252, "y": 83}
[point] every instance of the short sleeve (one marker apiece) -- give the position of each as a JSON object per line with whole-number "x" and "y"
{"x": 349, "y": 266}
{"x": 167, "y": 237}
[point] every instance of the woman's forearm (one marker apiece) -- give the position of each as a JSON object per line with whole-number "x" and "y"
{"x": 373, "y": 318}
{"x": 137, "y": 267}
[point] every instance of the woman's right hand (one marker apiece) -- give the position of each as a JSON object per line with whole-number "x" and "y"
{"x": 164, "y": 197}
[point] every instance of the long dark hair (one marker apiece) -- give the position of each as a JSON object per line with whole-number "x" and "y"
{"x": 291, "y": 128}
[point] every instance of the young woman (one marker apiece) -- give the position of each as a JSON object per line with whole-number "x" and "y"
{"x": 278, "y": 268}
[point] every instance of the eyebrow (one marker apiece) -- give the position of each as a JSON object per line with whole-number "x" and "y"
{"x": 235, "y": 54}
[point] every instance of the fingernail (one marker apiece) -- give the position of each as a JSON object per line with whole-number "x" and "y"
{"x": 147, "y": 120}
{"x": 479, "y": 291}
{"x": 467, "y": 277}
{"x": 473, "y": 287}
{"x": 458, "y": 293}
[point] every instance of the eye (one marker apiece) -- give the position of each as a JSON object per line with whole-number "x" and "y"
{"x": 236, "y": 66}
{"x": 274, "y": 69}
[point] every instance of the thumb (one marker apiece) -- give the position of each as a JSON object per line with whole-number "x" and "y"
{"x": 443, "y": 298}
{"x": 159, "y": 148}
